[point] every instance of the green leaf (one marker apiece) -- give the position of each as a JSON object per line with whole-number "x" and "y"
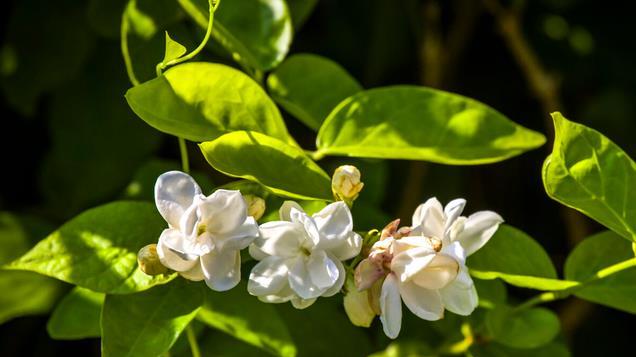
{"x": 406, "y": 349}
{"x": 323, "y": 329}
{"x": 26, "y": 293}
{"x": 246, "y": 318}
{"x": 201, "y": 101}
{"x": 518, "y": 260}
{"x": 419, "y": 123}
{"x": 300, "y": 11}
{"x": 528, "y": 328}
{"x": 598, "y": 252}
{"x": 174, "y": 49}
{"x": 588, "y": 172}
{"x": 270, "y": 162}
{"x": 310, "y": 86}
{"x": 257, "y": 33}
{"x": 77, "y": 316}
{"x": 491, "y": 293}
{"x": 98, "y": 249}
{"x": 553, "y": 349}
{"x": 148, "y": 323}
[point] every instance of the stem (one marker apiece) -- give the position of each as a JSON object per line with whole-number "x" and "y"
{"x": 125, "y": 26}
{"x": 192, "y": 339}
{"x": 561, "y": 294}
{"x": 185, "y": 163}
{"x": 213, "y": 4}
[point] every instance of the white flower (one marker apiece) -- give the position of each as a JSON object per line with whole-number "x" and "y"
{"x": 427, "y": 269}
{"x": 300, "y": 255}
{"x": 205, "y": 234}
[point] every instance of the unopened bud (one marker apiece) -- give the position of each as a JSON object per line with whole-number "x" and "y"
{"x": 357, "y": 306}
{"x": 255, "y": 206}
{"x": 148, "y": 260}
{"x": 346, "y": 184}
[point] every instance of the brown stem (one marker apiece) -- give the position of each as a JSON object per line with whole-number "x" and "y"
{"x": 546, "y": 89}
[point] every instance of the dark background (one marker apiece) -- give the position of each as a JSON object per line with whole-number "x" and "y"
{"x": 48, "y": 145}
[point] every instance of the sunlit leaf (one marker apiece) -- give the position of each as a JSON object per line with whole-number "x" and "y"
{"x": 588, "y": 172}
{"x": 269, "y": 161}
{"x": 419, "y": 123}
{"x": 594, "y": 254}
{"x": 98, "y": 249}
{"x": 200, "y": 101}
{"x": 310, "y": 86}
{"x": 173, "y": 50}
{"x": 148, "y": 323}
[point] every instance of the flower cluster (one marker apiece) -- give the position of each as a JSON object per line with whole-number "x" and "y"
{"x": 425, "y": 265}
{"x": 300, "y": 255}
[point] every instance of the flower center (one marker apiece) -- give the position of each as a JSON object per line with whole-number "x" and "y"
{"x": 305, "y": 251}
{"x": 202, "y": 228}
{"x": 436, "y": 243}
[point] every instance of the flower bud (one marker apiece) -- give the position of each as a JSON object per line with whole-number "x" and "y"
{"x": 255, "y": 206}
{"x": 357, "y": 306}
{"x": 346, "y": 184}
{"x": 148, "y": 260}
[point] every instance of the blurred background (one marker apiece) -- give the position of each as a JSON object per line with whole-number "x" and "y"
{"x": 70, "y": 142}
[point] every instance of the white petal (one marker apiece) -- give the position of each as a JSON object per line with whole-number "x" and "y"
{"x": 322, "y": 270}
{"x": 256, "y": 252}
{"x": 171, "y": 257}
{"x": 460, "y": 296}
{"x": 300, "y": 304}
{"x": 424, "y": 303}
{"x": 411, "y": 261}
{"x": 285, "y": 210}
{"x": 334, "y": 223}
{"x": 240, "y": 238}
{"x": 428, "y": 219}
{"x": 280, "y": 238}
{"x": 438, "y": 273}
{"x": 453, "y": 210}
{"x": 194, "y": 274}
{"x": 300, "y": 280}
{"x": 312, "y": 235}
{"x": 268, "y": 277}
{"x": 478, "y": 229}
{"x": 222, "y": 269}
{"x": 284, "y": 295}
{"x": 174, "y": 192}
{"x": 223, "y": 211}
{"x": 456, "y": 251}
{"x": 403, "y": 244}
{"x": 391, "y": 307}
{"x": 337, "y": 286}
{"x": 348, "y": 248}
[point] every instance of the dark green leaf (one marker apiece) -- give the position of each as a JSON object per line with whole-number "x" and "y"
{"x": 257, "y": 33}
{"x": 309, "y": 87}
{"x": 594, "y": 254}
{"x": 77, "y": 316}
{"x": 419, "y": 123}
{"x": 518, "y": 260}
{"x": 148, "y": 323}
{"x": 528, "y": 328}
{"x": 246, "y": 318}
